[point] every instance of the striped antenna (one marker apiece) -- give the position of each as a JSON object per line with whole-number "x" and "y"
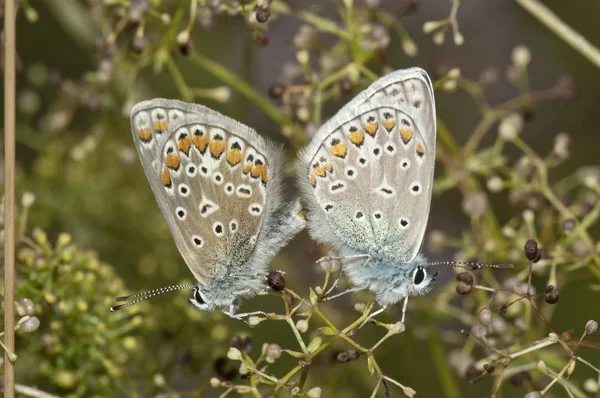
{"x": 470, "y": 266}
{"x": 136, "y": 298}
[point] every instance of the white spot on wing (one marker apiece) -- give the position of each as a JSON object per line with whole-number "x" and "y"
{"x": 207, "y": 207}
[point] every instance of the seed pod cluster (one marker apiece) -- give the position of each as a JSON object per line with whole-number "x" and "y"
{"x": 465, "y": 283}
{"x": 532, "y": 252}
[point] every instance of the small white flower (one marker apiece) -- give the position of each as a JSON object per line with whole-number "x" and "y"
{"x": 214, "y": 382}
{"x": 302, "y": 325}
{"x": 511, "y": 126}
{"x": 495, "y": 184}
{"x": 458, "y": 38}
{"x": 27, "y": 199}
{"x": 314, "y": 392}
{"x": 234, "y": 354}
{"x": 521, "y": 56}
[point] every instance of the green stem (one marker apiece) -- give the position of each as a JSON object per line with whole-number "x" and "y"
{"x": 228, "y": 77}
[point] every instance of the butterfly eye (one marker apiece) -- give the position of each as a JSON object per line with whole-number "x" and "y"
{"x": 198, "y": 297}
{"x": 419, "y": 276}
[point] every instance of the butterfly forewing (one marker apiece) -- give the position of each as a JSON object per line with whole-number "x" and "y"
{"x": 209, "y": 175}
{"x": 369, "y": 171}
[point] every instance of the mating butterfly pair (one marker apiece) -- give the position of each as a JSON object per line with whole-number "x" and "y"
{"x": 366, "y": 180}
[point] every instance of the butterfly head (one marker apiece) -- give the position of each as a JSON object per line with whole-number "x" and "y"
{"x": 421, "y": 281}
{"x": 201, "y": 301}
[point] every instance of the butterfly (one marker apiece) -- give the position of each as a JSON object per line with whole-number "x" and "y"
{"x": 219, "y": 186}
{"x": 366, "y": 178}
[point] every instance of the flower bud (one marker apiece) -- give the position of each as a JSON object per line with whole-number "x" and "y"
{"x": 591, "y": 327}
{"x": 485, "y": 316}
{"x": 234, "y": 354}
{"x": 25, "y": 307}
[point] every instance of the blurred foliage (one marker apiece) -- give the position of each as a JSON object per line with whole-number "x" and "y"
{"x": 76, "y": 155}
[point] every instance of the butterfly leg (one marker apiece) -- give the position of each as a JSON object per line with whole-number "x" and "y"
{"x": 404, "y": 306}
{"x": 352, "y": 257}
{"x": 334, "y": 284}
{"x": 351, "y": 290}
{"x": 371, "y": 316}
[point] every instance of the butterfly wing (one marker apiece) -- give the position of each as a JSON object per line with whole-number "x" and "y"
{"x": 216, "y": 181}
{"x": 367, "y": 175}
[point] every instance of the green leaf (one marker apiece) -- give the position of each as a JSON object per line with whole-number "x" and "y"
{"x": 370, "y": 365}
{"x": 295, "y": 354}
{"x": 314, "y": 344}
{"x": 313, "y": 297}
{"x": 327, "y": 331}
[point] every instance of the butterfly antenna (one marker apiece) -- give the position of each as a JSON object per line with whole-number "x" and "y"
{"x": 136, "y": 298}
{"x": 470, "y": 266}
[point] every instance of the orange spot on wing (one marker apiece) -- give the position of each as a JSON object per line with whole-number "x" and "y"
{"x": 201, "y": 142}
{"x": 160, "y": 125}
{"x": 145, "y": 134}
{"x": 406, "y": 135}
{"x": 320, "y": 171}
{"x": 234, "y": 157}
{"x": 166, "y": 177}
{"x": 371, "y": 128}
{"x": 357, "y": 137}
{"x": 216, "y": 148}
{"x": 339, "y": 150}
{"x": 329, "y": 167}
{"x": 184, "y": 145}
{"x": 388, "y": 124}
{"x": 173, "y": 161}
{"x": 259, "y": 170}
{"x": 247, "y": 168}
{"x": 420, "y": 150}
{"x": 313, "y": 180}
{"x": 264, "y": 176}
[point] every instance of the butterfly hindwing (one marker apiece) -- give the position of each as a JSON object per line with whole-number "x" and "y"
{"x": 216, "y": 182}
{"x": 367, "y": 174}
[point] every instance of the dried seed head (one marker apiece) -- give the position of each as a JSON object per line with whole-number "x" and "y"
{"x": 531, "y": 250}
{"x": 186, "y": 47}
{"x": 549, "y": 289}
{"x": 276, "y": 91}
{"x": 552, "y": 298}
{"x": 276, "y": 281}
{"x": 489, "y": 368}
{"x": 591, "y": 327}
{"x": 347, "y": 356}
{"x": 466, "y": 278}
{"x": 485, "y": 316}
{"x": 502, "y": 310}
{"x": 262, "y": 14}
{"x": 463, "y": 289}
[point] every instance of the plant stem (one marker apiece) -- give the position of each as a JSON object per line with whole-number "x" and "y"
{"x": 228, "y": 77}
{"x": 562, "y": 30}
